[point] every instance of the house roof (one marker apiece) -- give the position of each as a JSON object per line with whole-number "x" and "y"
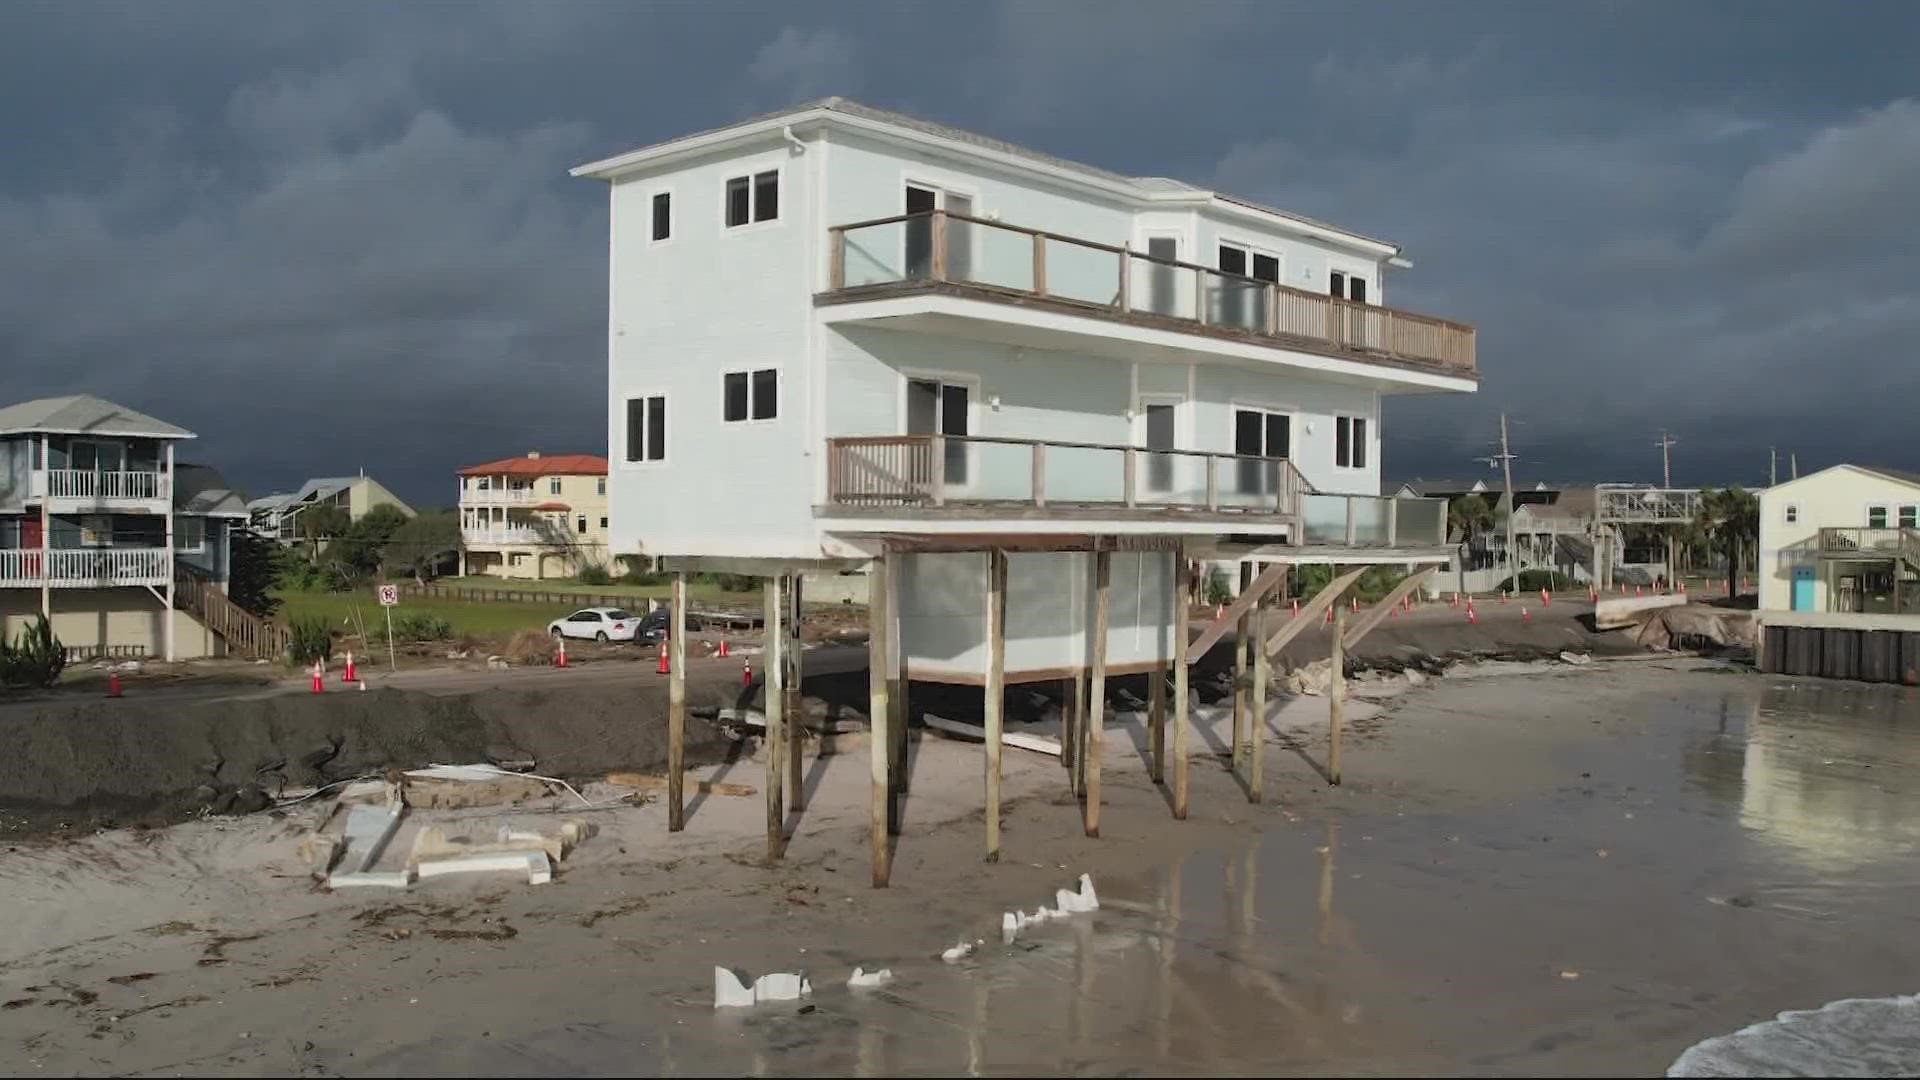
{"x": 1442, "y": 487}
{"x": 1145, "y": 187}
{"x": 200, "y": 489}
{"x": 544, "y": 465}
{"x": 84, "y": 414}
{"x": 1898, "y": 476}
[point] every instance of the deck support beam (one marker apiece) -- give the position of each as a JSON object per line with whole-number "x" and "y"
{"x": 880, "y": 745}
{"x": 677, "y": 706}
{"x": 996, "y": 691}
{"x": 1096, "y": 714}
{"x": 1182, "y": 586}
{"x": 774, "y": 677}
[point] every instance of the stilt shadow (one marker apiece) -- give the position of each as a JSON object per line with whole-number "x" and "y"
{"x": 1290, "y": 742}
{"x": 734, "y": 753}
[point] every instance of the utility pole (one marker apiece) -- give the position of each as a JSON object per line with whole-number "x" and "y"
{"x": 1773, "y": 466}
{"x": 1505, "y": 458}
{"x": 1666, "y": 481}
{"x": 1793, "y": 466}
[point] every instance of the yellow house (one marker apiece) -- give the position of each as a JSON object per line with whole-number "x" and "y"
{"x": 1844, "y": 539}
{"x": 534, "y": 516}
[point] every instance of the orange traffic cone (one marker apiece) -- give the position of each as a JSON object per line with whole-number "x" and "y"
{"x": 349, "y": 675}
{"x": 746, "y": 671}
{"x": 113, "y": 684}
{"x": 665, "y": 666}
{"x": 1503, "y": 596}
{"x": 1472, "y": 617}
{"x": 1296, "y": 607}
{"x": 1636, "y": 590}
{"x": 1546, "y": 598}
{"x": 1329, "y": 614}
{"x": 1455, "y": 602}
{"x": 560, "y": 656}
{"x": 319, "y": 678}
{"x": 724, "y": 650}
{"x": 1525, "y": 615}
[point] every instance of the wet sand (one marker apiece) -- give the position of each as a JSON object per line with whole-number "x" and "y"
{"x": 1578, "y": 872}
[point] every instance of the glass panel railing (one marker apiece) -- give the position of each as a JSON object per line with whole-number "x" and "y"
{"x": 1240, "y": 303}
{"x": 984, "y": 255}
{"x": 1169, "y": 479}
{"x": 879, "y": 254}
{"x": 1159, "y": 289}
{"x": 1370, "y": 519}
{"x": 1085, "y": 474}
{"x": 1419, "y": 522}
{"x": 1248, "y": 483}
{"x": 988, "y": 471}
{"x": 1085, "y": 274}
{"x": 1323, "y": 518}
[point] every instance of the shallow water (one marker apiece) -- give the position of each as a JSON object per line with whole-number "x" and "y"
{"x": 1729, "y": 851}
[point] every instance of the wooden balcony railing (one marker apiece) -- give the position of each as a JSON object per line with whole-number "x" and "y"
{"x": 1015, "y": 261}
{"x": 1870, "y": 543}
{"x": 917, "y": 472}
{"x": 95, "y": 484}
{"x": 85, "y": 568}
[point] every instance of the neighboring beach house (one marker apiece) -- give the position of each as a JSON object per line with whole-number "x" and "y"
{"x": 838, "y": 333}
{"x": 537, "y": 516}
{"x": 124, "y": 549}
{"x": 278, "y": 516}
{"x": 1845, "y": 539}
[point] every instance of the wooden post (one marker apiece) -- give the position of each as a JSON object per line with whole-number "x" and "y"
{"x": 1336, "y": 693}
{"x": 837, "y": 270}
{"x": 1097, "y": 695}
{"x": 1157, "y": 722}
{"x": 1130, "y": 470}
{"x": 939, "y": 223}
{"x": 996, "y": 690}
{"x": 1039, "y": 474}
{"x": 677, "y": 706}
{"x": 773, "y": 677}
{"x": 1242, "y": 635}
{"x": 1256, "y": 736}
{"x": 897, "y": 699}
{"x": 1040, "y": 264}
{"x": 796, "y": 701}
{"x": 880, "y": 746}
{"x": 1213, "y": 482}
{"x": 1078, "y": 777}
{"x": 1125, "y": 300}
{"x": 1181, "y": 584}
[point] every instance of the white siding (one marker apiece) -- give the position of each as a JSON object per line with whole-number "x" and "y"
{"x": 707, "y": 301}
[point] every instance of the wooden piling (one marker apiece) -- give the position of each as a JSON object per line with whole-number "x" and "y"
{"x": 1242, "y": 632}
{"x": 773, "y": 674}
{"x": 878, "y": 713}
{"x": 1157, "y": 722}
{"x": 1181, "y": 583}
{"x": 996, "y": 691}
{"x": 1336, "y": 692}
{"x": 1257, "y": 731}
{"x": 796, "y": 704}
{"x": 677, "y": 706}
{"x": 1097, "y": 690}
{"x": 897, "y": 698}
{"x": 1079, "y": 776}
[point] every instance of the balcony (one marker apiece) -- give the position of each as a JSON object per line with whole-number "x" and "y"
{"x": 945, "y": 254}
{"x": 995, "y": 480}
{"x": 99, "y": 486}
{"x": 504, "y": 534}
{"x": 1870, "y": 543}
{"x": 85, "y": 568}
{"x": 501, "y": 497}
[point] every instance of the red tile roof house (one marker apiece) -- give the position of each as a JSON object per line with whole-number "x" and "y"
{"x": 534, "y": 517}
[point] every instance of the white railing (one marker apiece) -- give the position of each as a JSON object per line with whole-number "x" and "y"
{"x": 89, "y": 484}
{"x": 85, "y": 568}
{"x": 503, "y": 534}
{"x": 499, "y": 497}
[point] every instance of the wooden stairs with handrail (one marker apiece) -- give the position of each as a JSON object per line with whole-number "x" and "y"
{"x": 245, "y": 633}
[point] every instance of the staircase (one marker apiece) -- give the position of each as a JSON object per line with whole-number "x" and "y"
{"x": 245, "y": 633}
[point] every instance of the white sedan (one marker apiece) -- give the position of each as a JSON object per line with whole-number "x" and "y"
{"x": 598, "y": 623}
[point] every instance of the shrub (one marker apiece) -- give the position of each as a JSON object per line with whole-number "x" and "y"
{"x": 645, "y": 577}
{"x": 1535, "y": 580}
{"x": 594, "y": 574}
{"x": 1219, "y": 587}
{"x": 35, "y": 659}
{"x": 736, "y": 582}
{"x": 311, "y": 639}
{"x": 418, "y": 626}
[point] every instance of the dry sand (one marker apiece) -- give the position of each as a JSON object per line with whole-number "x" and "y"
{"x": 205, "y": 948}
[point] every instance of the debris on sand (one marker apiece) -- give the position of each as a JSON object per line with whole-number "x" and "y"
{"x": 732, "y": 991}
{"x": 862, "y": 979}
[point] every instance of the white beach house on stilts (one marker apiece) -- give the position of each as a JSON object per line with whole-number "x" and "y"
{"x": 1024, "y": 393}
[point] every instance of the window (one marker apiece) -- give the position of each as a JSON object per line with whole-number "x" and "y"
{"x": 581, "y": 525}
{"x": 484, "y": 483}
{"x": 935, "y": 406}
{"x": 1910, "y": 516}
{"x": 553, "y": 485}
{"x": 753, "y": 198}
{"x": 647, "y": 428}
{"x": 1793, "y": 513}
{"x": 600, "y": 485}
{"x": 1260, "y": 433}
{"x": 751, "y": 395}
{"x": 1350, "y": 442}
{"x": 189, "y": 534}
{"x": 662, "y": 216}
{"x": 603, "y": 523}
{"x": 1876, "y": 517}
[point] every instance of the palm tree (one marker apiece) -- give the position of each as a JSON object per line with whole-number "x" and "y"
{"x": 1732, "y": 517}
{"x": 1469, "y": 516}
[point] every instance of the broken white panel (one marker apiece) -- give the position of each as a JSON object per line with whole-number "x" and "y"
{"x": 958, "y": 952}
{"x": 730, "y": 989}
{"x": 862, "y": 979}
{"x": 781, "y": 986}
{"x": 366, "y": 833}
{"x": 392, "y": 879}
{"x": 534, "y": 864}
{"x": 1010, "y": 924}
{"x": 1039, "y": 744}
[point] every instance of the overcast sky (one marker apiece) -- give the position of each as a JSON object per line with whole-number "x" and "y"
{"x": 328, "y": 236}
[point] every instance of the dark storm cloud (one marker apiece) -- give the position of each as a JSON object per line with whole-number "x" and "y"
{"x": 329, "y": 236}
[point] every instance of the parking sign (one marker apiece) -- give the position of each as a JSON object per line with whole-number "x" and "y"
{"x": 389, "y": 595}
